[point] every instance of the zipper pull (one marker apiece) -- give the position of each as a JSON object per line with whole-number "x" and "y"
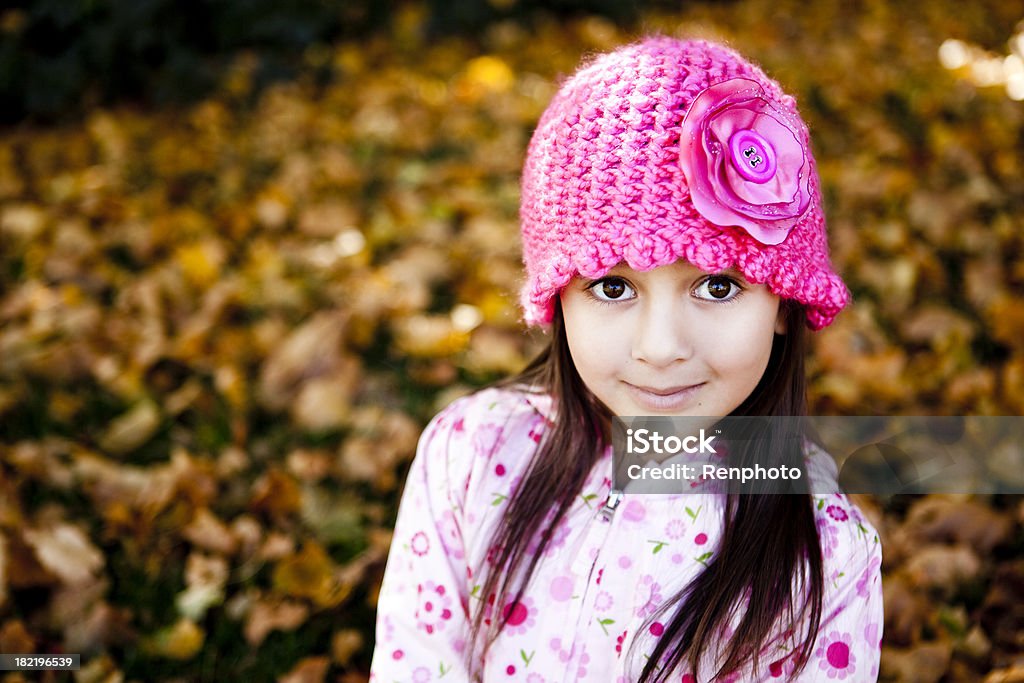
{"x": 614, "y": 498}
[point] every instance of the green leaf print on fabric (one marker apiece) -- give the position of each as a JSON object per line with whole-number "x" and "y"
{"x": 658, "y": 545}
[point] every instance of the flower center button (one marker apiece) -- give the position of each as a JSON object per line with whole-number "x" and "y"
{"x": 753, "y": 156}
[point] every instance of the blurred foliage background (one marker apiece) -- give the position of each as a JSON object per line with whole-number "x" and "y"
{"x": 248, "y": 248}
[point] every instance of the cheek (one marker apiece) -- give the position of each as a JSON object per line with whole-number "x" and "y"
{"x": 745, "y": 359}
{"x": 590, "y": 353}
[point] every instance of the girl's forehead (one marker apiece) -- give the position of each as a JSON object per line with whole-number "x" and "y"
{"x": 680, "y": 268}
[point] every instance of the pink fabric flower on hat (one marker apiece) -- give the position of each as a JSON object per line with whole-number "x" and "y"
{"x": 745, "y": 160}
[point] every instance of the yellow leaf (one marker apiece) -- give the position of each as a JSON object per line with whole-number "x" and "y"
{"x": 307, "y": 574}
{"x": 490, "y": 74}
{"x": 201, "y": 263}
{"x": 132, "y": 429}
{"x": 182, "y": 641}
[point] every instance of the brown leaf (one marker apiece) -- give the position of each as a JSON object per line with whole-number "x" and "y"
{"x": 344, "y": 644}
{"x": 1013, "y": 674}
{"x": 935, "y": 519}
{"x": 266, "y": 616}
{"x": 494, "y": 350}
{"x": 943, "y": 567}
{"x": 3, "y": 571}
{"x": 23, "y": 567}
{"x": 22, "y": 221}
{"x": 324, "y": 402}
{"x": 382, "y": 440}
{"x": 276, "y": 492}
{"x": 205, "y": 577}
{"x": 72, "y": 602}
{"x": 311, "y": 574}
{"x": 921, "y": 664}
{"x": 327, "y": 219}
{"x": 15, "y": 638}
{"x": 905, "y": 611}
{"x": 428, "y": 336}
{"x": 42, "y": 460}
{"x": 1002, "y": 612}
{"x": 1006, "y": 321}
{"x": 309, "y": 670}
{"x": 308, "y": 465}
{"x": 66, "y": 552}
{"x": 276, "y": 546}
{"x": 108, "y": 483}
{"x": 99, "y": 669}
{"x": 103, "y": 626}
{"x": 210, "y": 533}
{"x": 312, "y": 350}
{"x": 937, "y": 326}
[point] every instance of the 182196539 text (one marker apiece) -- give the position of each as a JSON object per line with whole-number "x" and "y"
{"x": 40, "y": 662}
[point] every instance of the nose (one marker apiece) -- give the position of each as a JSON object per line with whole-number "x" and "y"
{"x": 662, "y": 336}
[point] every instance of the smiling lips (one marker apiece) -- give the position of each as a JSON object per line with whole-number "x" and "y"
{"x": 668, "y": 398}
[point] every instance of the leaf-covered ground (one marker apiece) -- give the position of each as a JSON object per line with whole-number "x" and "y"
{"x": 222, "y": 327}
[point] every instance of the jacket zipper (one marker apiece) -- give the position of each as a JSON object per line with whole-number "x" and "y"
{"x": 615, "y": 497}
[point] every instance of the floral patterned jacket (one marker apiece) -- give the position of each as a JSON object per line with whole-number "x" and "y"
{"x": 602, "y": 575}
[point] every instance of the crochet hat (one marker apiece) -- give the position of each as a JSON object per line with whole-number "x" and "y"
{"x": 667, "y": 150}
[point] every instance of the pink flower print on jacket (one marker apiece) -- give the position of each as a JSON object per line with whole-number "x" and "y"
{"x": 522, "y": 616}
{"x": 835, "y": 657}
{"x": 557, "y": 540}
{"x": 647, "y": 596}
{"x": 581, "y": 670}
{"x": 563, "y": 654}
{"x": 487, "y": 438}
{"x": 604, "y": 601}
{"x": 675, "y": 529}
{"x": 451, "y": 537}
{"x": 420, "y": 544}
{"x": 837, "y": 513}
{"x": 828, "y": 535}
{"x": 433, "y": 608}
{"x": 870, "y": 571}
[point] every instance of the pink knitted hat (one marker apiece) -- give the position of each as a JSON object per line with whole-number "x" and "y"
{"x": 667, "y": 150}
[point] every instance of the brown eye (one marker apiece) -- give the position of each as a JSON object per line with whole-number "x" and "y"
{"x": 718, "y": 288}
{"x": 612, "y": 289}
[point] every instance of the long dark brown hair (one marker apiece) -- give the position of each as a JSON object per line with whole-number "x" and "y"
{"x": 769, "y": 557}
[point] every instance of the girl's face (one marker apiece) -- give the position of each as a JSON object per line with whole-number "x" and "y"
{"x": 670, "y": 341}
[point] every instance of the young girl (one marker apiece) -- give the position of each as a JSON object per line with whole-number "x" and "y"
{"x": 674, "y": 241}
